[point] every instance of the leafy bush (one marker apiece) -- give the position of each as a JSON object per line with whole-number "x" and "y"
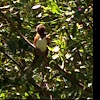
{"x": 67, "y": 72}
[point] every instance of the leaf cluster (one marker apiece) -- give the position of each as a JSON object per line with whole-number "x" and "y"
{"x": 67, "y": 71}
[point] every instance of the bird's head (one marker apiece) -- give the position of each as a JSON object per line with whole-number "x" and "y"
{"x": 41, "y": 30}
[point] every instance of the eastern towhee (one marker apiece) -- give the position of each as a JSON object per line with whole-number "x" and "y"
{"x": 41, "y": 40}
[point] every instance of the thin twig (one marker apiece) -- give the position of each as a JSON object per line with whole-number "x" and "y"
{"x": 71, "y": 78}
{"x": 31, "y": 80}
{"x": 10, "y": 58}
{"x": 15, "y": 29}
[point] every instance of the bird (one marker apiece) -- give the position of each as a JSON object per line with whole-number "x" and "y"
{"x": 41, "y": 40}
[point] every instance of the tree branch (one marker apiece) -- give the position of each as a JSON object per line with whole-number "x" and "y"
{"x": 41, "y": 90}
{"x": 15, "y": 29}
{"x": 71, "y": 78}
{"x": 10, "y": 57}
{"x": 31, "y": 80}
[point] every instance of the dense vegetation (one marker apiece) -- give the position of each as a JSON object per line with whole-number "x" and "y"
{"x": 67, "y": 72}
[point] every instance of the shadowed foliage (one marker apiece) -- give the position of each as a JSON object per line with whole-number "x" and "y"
{"x": 67, "y": 71}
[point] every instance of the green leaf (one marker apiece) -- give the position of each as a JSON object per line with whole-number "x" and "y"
{"x": 50, "y": 49}
{"x": 81, "y": 50}
{"x": 26, "y": 94}
{"x": 36, "y": 7}
{"x": 37, "y": 94}
{"x": 53, "y": 7}
{"x": 68, "y": 56}
{"x": 36, "y": 0}
{"x": 58, "y": 79}
{"x": 55, "y": 56}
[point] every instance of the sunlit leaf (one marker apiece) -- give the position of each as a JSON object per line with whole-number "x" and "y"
{"x": 68, "y": 56}
{"x": 81, "y": 50}
{"x": 69, "y": 13}
{"x": 56, "y": 49}
{"x": 50, "y": 49}
{"x": 79, "y": 26}
{"x": 55, "y": 56}
{"x": 5, "y": 7}
{"x": 39, "y": 15}
{"x": 36, "y": 0}
{"x": 53, "y": 7}
{"x": 26, "y": 94}
{"x": 62, "y": 66}
{"x": 76, "y": 70}
{"x": 82, "y": 67}
{"x": 68, "y": 19}
{"x": 37, "y": 94}
{"x": 36, "y": 6}
{"x": 89, "y": 84}
{"x": 17, "y": 93}
{"x": 58, "y": 79}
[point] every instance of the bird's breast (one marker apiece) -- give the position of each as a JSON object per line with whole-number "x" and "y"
{"x": 42, "y": 44}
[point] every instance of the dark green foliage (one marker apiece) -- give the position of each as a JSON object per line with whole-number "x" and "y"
{"x": 67, "y": 71}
